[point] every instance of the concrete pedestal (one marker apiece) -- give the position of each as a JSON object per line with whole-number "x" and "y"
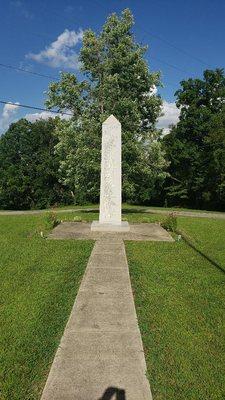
{"x": 123, "y": 226}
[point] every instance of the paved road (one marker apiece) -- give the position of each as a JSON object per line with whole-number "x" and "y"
{"x": 195, "y": 214}
{"x": 36, "y": 212}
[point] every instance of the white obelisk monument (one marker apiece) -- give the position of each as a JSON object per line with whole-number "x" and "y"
{"x": 110, "y": 190}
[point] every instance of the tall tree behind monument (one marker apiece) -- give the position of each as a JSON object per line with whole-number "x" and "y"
{"x": 118, "y": 82}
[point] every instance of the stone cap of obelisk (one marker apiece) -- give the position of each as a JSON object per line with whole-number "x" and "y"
{"x": 111, "y": 120}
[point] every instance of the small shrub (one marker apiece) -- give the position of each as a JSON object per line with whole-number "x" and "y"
{"x": 51, "y": 220}
{"x": 145, "y": 220}
{"x": 170, "y": 223}
{"x": 77, "y": 219}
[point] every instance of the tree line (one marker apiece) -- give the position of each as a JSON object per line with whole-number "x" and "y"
{"x": 52, "y": 162}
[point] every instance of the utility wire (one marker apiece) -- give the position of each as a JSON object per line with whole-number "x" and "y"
{"x": 34, "y": 108}
{"x": 173, "y": 46}
{"x": 26, "y": 71}
{"x": 169, "y": 65}
{"x": 55, "y": 78}
{"x": 140, "y": 27}
{"x": 157, "y": 59}
{"x": 146, "y": 31}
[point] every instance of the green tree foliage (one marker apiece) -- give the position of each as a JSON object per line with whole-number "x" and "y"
{"x": 117, "y": 81}
{"x": 29, "y": 167}
{"x": 216, "y": 167}
{"x": 196, "y": 172}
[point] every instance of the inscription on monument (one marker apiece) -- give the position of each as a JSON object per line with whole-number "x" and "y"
{"x": 110, "y": 190}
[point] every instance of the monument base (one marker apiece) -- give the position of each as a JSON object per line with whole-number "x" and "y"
{"x": 110, "y": 227}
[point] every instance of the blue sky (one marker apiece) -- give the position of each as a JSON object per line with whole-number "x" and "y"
{"x": 184, "y": 38}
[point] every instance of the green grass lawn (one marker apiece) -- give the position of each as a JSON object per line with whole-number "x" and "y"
{"x": 89, "y": 216}
{"x": 179, "y": 298}
{"x": 208, "y": 235}
{"x": 180, "y": 302}
{"x": 39, "y": 280}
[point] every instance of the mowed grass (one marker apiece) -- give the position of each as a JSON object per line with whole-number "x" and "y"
{"x": 180, "y": 302}
{"x": 39, "y": 280}
{"x": 128, "y": 215}
{"x": 179, "y": 298}
{"x": 208, "y": 235}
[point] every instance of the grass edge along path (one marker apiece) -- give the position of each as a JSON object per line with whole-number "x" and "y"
{"x": 179, "y": 298}
{"x": 39, "y": 280}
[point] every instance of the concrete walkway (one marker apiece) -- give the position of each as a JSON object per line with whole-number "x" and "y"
{"x": 100, "y": 356}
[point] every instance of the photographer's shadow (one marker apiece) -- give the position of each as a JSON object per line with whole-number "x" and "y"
{"x": 111, "y": 391}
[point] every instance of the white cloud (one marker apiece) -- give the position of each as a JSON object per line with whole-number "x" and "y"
{"x": 153, "y": 90}
{"x": 60, "y": 53}
{"x": 170, "y": 116}
{"x": 8, "y": 112}
{"x": 45, "y": 115}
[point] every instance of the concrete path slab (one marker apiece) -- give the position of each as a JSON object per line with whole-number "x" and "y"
{"x": 82, "y": 230}
{"x": 101, "y": 354}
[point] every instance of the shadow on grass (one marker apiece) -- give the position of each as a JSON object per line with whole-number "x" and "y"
{"x": 192, "y": 245}
{"x": 124, "y": 211}
{"x": 111, "y": 391}
{"x": 89, "y": 211}
{"x": 133, "y": 211}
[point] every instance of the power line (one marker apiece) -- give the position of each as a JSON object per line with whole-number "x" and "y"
{"x": 169, "y": 65}
{"x": 159, "y": 60}
{"x": 140, "y": 27}
{"x": 146, "y": 31}
{"x": 26, "y": 71}
{"x": 34, "y": 108}
{"x": 174, "y": 46}
{"x": 55, "y": 78}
